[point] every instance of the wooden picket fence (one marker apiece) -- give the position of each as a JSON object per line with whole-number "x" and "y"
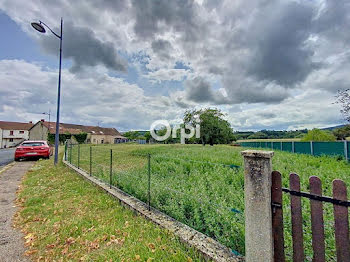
{"x": 340, "y": 211}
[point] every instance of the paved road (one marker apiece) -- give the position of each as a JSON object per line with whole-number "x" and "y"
{"x": 6, "y": 156}
{"x": 11, "y": 241}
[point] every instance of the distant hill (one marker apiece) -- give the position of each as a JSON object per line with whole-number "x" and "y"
{"x": 331, "y": 128}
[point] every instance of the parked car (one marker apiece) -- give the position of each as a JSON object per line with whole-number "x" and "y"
{"x": 33, "y": 149}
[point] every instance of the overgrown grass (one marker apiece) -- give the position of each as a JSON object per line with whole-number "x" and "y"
{"x": 65, "y": 218}
{"x": 188, "y": 184}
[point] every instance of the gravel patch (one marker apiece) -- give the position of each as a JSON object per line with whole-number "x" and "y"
{"x": 11, "y": 241}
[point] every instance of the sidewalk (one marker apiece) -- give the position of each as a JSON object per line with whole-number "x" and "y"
{"x": 11, "y": 241}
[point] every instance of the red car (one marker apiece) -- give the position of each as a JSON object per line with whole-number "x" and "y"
{"x": 32, "y": 149}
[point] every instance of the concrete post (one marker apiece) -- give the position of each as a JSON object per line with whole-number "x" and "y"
{"x": 257, "y": 200}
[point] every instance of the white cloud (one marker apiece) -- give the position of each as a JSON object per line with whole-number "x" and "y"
{"x": 27, "y": 89}
{"x": 261, "y": 52}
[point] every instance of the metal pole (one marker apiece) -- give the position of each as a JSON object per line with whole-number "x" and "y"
{"x": 346, "y": 150}
{"x": 58, "y": 100}
{"x": 293, "y": 147}
{"x": 90, "y": 161}
{"x": 78, "y": 156}
{"x": 70, "y": 153}
{"x": 311, "y": 148}
{"x": 149, "y": 182}
{"x": 281, "y": 146}
{"x": 110, "y": 170}
{"x": 65, "y": 150}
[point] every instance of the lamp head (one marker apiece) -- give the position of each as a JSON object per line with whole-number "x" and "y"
{"x": 38, "y": 27}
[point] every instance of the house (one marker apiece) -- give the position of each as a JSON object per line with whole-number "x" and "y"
{"x": 95, "y": 134}
{"x": 13, "y": 133}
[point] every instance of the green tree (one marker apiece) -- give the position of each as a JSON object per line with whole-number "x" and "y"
{"x": 61, "y": 137}
{"x": 343, "y": 98}
{"x": 132, "y": 134}
{"x": 148, "y": 136}
{"x": 80, "y": 137}
{"x": 318, "y": 135}
{"x": 258, "y": 135}
{"x": 214, "y": 129}
{"x": 342, "y": 133}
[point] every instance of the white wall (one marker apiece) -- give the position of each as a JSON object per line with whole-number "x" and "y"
{"x": 17, "y": 137}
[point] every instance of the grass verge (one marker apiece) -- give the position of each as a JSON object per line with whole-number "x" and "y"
{"x": 65, "y": 218}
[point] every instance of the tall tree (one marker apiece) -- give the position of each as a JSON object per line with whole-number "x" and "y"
{"x": 318, "y": 135}
{"x": 343, "y": 98}
{"x": 214, "y": 129}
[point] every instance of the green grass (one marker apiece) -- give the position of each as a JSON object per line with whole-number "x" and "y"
{"x": 207, "y": 196}
{"x": 65, "y": 218}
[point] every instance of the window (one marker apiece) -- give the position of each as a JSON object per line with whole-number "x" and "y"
{"x": 11, "y": 133}
{"x": 102, "y": 141}
{"x": 33, "y": 144}
{"x": 21, "y": 132}
{"x": 11, "y": 139}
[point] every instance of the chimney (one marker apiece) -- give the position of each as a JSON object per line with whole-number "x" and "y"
{"x": 42, "y": 120}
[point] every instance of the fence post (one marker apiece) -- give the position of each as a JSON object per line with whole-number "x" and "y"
{"x": 70, "y": 153}
{"x": 312, "y": 148}
{"x": 346, "y": 150}
{"x": 78, "y": 156}
{"x": 257, "y": 199}
{"x": 293, "y": 147}
{"x": 149, "y": 182}
{"x": 90, "y": 161}
{"x": 110, "y": 170}
{"x": 65, "y": 150}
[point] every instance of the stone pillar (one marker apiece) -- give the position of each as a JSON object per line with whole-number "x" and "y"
{"x": 257, "y": 200}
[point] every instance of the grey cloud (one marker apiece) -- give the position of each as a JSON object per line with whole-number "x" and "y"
{"x": 248, "y": 90}
{"x": 280, "y": 53}
{"x": 163, "y": 48}
{"x": 334, "y": 20}
{"x": 267, "y": 114}
{"x": 178, "y": 15}
{"x": 199, "y": 90}
{"x": 81, "y": 45}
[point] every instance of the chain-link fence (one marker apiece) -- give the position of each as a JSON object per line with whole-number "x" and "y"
{"x": 197, "y": 193}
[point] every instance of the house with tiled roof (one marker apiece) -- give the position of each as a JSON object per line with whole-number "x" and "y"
{"x": 13, "y": 133}
{"x": 95, "y": 134}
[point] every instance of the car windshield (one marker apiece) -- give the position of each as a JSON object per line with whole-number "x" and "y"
{"x": 33, "y": 144}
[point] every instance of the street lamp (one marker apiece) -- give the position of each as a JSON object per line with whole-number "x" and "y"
{"x": 40, "y": 27}
{"x": 48, "y": 114}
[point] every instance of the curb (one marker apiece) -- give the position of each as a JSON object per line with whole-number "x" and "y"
{"x": 7, "y": 167}
{"x": 208, "y": 247}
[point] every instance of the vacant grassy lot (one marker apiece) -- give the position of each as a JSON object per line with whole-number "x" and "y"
{"x": 200, "y": 187}
{"x": 64, "y": 218}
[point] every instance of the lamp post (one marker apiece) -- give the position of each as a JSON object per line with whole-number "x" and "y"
{"x": 49, "y": 114}
{"x": 40, "y": 27}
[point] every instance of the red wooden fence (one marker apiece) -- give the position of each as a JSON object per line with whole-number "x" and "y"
{"x": 341, "y": 218}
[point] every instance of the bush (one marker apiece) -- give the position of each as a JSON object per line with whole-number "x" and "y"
{"x": 81, "y": 137}
{"x": 318, "y": 135}
{"x": 62, "y": 138}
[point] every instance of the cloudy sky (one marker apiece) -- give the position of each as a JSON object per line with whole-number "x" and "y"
{"x": 268, "y": 64}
